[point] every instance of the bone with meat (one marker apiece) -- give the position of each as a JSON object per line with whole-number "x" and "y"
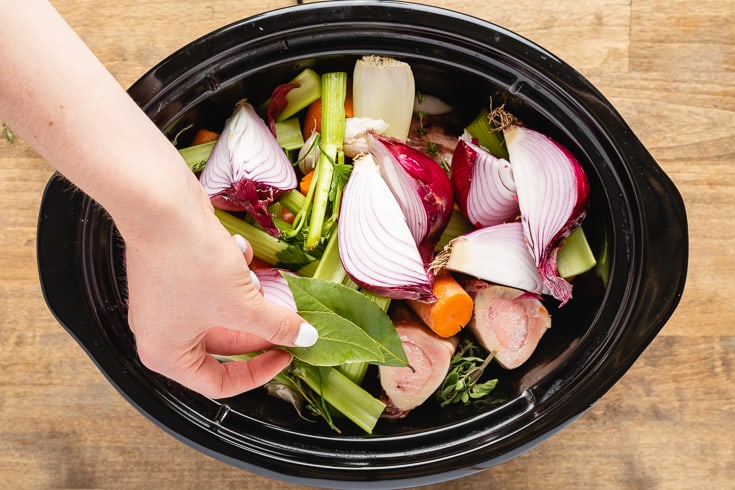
{"x": 429, "y": 358}
{"x": 508, "y": 321}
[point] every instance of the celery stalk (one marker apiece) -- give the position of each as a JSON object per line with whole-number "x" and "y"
{"x": 487, "y": 136}
{"x": 196, "y": 156}
{"x": 288, "y": 134}
{"x": 265, "y": 246}
{"x": 334, "y": 92}
{"x": 307, "y": 89}
{"x": 340, "y": 392}
{"x": 575, "y": 255}
{"x": 355, "y": 371}
{"x": 330, "y": 265}
{"x": 292, "y": 200}
{"x": 458, "y": 225}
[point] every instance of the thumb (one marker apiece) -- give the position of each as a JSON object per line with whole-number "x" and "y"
{"x": 278, "y": 324}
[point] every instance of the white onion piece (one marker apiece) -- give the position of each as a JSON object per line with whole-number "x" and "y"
{"x": 309, "y": 153}
{"x": 496, "y": 254}
{"x": 384, "y": 88}
{"x": 377, "y": 249}
{"x": 431, "y": 105}
{"x": 247, "y": 168}
{"x": 275, "y": 287}
{"x": 552, "y": 195}
{"x": 356, "y": 130}
{"x": 483, "y": 185}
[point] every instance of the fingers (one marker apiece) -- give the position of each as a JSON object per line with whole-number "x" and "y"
{"x": 276, "y": 323}
{"x": 226, "y": 342}
{"x": 244, "y": 247}
{"x": 247, "y": 251}
{"x": 222, "y": 380}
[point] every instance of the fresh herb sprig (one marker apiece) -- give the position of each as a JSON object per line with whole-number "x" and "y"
{"x": 466, "y": 369}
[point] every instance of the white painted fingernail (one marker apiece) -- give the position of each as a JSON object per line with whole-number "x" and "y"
{"x": 307, "y": 336}
{"x": 254, "y": 279}
{"x": 241, "y": 243}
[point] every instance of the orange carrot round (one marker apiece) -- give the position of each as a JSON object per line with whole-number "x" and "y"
{"x": 305, "y": 182}
{"x": 204, "y": 136}
{"x": 451, "y": 311}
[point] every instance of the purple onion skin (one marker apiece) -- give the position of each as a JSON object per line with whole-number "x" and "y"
{"x": 416, "y": 292}
{"x": 253, "y": 198}
{"x": 432, "y": 185}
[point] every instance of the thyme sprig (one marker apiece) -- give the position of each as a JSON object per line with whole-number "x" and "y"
{"x": 466, "y": 369}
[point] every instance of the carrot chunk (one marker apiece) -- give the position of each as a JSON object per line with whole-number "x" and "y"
{"x": 305, "y": 182}
{"x": 452, "y": 309}
{"x": 204, "y": 136}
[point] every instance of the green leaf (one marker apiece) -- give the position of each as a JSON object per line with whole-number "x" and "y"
{"x": 338, "y": 312}
{"x": 340, "y": 341}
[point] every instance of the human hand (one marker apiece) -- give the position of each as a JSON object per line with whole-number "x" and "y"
{"x": 191, "y": 295}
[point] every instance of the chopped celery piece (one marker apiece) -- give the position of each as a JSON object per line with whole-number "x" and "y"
{"x": 330, "y": 265}
{"x": 308, "y": 270}
{"x": 288, "y": 134}
{"x": 486, "y": 136}
{"x": 307, "y": 89}
{"x": 381, "y": 301}
{"x": 292, "y": 200}
{"x": 196, "y": 156}
{"x": 575, "y": 256}
{"x": 343, "y": 394}
{"x": 354, "y": 370}
{"x": 266, "y": 247}
{"x": 458, "y": 225}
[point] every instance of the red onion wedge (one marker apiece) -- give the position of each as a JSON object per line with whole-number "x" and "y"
{"x": 496, "y": 254}
{"x": 376, "y": 246}
{"x": 483, "y": 185}
{"x": 421, "y": 187}
{"x": 553, "y": 193}
{"x": 247, "y": 169}
{"x": 275, "y": 287}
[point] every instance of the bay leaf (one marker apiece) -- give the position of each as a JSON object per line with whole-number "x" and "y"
{"x": 349, "y": 310}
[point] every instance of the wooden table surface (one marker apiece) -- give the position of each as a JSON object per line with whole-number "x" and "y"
{"x": 668, "y": 66}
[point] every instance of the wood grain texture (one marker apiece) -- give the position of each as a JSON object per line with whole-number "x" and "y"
{"x": 668, "y": 68}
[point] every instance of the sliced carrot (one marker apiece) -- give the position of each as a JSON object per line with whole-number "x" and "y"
{"x": 286, "y": 215}
{"x": 452, "y": 309}
{"x": 306, "y": 182}
{"x": 313, "y": 116}
{"x": 204, "y": 136}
